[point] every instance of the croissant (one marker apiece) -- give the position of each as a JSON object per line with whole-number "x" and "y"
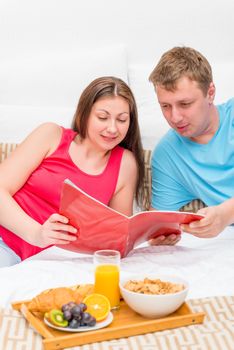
{"x": 56, "y": 297}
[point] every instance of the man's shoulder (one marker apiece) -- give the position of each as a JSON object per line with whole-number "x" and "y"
{"x": 226, "y": 112}
{"x": 227, "y": 105}
{"x": 230, "y": 104}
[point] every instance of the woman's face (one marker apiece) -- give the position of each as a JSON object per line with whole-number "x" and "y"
{"x": 108, "y": 122}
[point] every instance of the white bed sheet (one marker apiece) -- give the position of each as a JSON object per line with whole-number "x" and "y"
{"x": 207, "y": 264}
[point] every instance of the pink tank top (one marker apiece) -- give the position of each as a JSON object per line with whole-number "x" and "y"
{"x": 40, "y": 195}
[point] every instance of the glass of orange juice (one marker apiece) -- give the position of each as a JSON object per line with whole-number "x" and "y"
{"x": 107, "y": 263}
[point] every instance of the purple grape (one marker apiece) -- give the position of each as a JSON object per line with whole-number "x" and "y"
{"x": 76, "y": 311}
{"x": 74, "y": 323}
{"x": 85, "y": 317}
{"x": 83, "y": 307}
{"x": 67, "y": 315}
{"x": 92, "y": 322}
{"x": 68, "y": 306}
{"x": 65, "y": 307}
{"x": 71, "y": 304}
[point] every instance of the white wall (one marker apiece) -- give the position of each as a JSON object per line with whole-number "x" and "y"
{"x": 147, "y": 27}
{"x": 39, "y": 30}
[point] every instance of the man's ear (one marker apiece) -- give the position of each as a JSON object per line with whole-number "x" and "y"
{"x": 211, "y": 92}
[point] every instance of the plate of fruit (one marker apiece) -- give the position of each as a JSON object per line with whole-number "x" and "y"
{"x": 91, "y": 314}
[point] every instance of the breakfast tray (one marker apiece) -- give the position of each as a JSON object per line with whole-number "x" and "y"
{"x": 126, "y": 323}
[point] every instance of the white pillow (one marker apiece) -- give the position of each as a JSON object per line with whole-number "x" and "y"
{"x": 47, "y": 87}
{"x": 152, "y": 123}
{"x": 223, "y": 76}
{"x": 18, "y": 121}
{"x": 58, "y": 79}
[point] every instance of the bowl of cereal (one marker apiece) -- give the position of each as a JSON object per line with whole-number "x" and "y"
{"x": 153, "y": 295}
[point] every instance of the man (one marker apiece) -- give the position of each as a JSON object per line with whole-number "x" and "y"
{"x": 195, "y": 159}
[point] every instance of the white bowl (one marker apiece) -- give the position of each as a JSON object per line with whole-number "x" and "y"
{"x": 154, "y": 305}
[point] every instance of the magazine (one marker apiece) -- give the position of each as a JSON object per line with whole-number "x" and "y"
{"x": 101, "y": 227}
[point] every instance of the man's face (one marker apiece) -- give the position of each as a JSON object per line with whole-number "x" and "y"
{"x": 186, "y": 109}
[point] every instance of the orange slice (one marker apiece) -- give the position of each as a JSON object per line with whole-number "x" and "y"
{"x": 97, "y": 305}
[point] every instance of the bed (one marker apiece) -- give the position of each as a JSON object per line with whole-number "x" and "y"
{"x": 207, "y": 264}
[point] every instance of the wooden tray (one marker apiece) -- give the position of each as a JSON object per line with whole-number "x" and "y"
{"x": 126, "y": 323}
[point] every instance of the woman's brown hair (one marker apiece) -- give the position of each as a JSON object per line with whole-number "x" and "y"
{"x": 112, "y": 86}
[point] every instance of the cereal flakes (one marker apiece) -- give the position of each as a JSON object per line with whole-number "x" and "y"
{"x": 148, "y": 286}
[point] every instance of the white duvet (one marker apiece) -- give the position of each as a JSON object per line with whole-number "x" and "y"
{"x": 207, "y": 264}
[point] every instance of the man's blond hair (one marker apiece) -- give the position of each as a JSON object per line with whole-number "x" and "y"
{"x": 182, "y": 62}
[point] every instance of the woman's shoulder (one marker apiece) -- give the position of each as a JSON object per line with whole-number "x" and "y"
{"x": 46, "y": 136}
{"x": 56, "y": 135}
{"x": 129, "y": 160}
{"x": 46, "y": 129}
{"x": 123, "y": 153}
{"x": 128, "y": 154}
{"x": 51, "y": 131}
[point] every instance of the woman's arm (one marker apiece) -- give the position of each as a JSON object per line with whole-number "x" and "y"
{"x": 123, "y": 197}
{"x": 14, "y": 172}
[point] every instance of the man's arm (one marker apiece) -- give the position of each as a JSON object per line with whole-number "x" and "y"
{"x": 216, "y": 219}
{"x": 169, "y": 185}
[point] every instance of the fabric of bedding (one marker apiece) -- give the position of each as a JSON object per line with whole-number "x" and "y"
{"x": 216, "y": 333}
{"x": 207, "y": 264}
{"x": 7, "y": 255}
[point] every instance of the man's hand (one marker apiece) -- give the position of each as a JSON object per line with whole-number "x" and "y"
{"x": 165, "y": 240}
{"x": 215, "y": 220}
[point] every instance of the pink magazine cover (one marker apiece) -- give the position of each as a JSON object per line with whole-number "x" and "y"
{"x": 101, "y": 227}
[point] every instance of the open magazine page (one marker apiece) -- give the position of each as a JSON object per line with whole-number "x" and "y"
{"x": 101, "y": 227}
{"x": 150, "y": 224}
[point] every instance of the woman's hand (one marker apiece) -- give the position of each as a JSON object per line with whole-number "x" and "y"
{"x": 165, "y": 240}
{"x": 55, "y": 230}
{"x": 215, "y": 220}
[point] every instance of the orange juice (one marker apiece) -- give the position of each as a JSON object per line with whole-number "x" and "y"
{"x": 107, "y": 283}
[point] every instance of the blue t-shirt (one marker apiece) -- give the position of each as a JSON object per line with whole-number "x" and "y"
{"x": 183, "y": 170}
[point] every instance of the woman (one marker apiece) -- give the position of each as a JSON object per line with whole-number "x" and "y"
{"x": 102, "y": 154}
